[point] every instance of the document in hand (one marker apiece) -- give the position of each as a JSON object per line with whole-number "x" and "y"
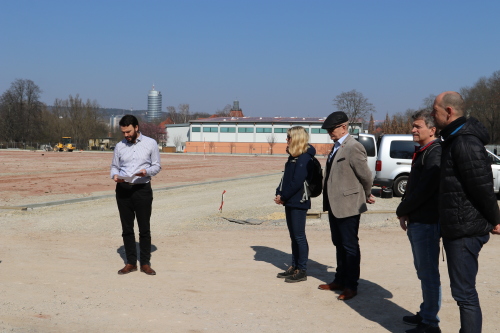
{"x": 127, "y": 179}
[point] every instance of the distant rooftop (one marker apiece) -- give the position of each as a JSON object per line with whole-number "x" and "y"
{"x": 260, "y": 120}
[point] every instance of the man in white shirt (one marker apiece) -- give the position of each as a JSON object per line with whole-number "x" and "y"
{"x": 136, "y": 159}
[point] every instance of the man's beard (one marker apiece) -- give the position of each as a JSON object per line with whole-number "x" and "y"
{"x": 132, "y": 138}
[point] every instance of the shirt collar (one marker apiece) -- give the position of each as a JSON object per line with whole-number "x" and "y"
{"x": 342, "y": 139}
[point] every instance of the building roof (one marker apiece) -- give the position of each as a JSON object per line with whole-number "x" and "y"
{"x": 168, "y": 121}
{"x": 177, "y": 125}
{"x": 260, "y": 120}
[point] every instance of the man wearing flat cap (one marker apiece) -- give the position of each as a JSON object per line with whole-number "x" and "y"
{"x": 347, "y": 190}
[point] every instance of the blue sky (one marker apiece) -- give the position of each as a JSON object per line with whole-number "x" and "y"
{"x": 278, "y": 58}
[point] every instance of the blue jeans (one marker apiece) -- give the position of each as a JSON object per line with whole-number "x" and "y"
{"x": 462, "y": 255}
{"x": 296, "y": 222}
{"x": 424, "y": 240}
{"x": 345, "y": 238}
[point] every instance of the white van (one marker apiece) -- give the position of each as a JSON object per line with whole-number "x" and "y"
{"x": 393, "y": 165}
{"x": 395, "y": 152}
{"x": 495, "y": 168}
{"x": 368, "y": 141}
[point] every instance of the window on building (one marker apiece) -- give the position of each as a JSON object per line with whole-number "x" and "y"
{"x": 245, "y": 129}
{"x": 228, "y": 129}
{"x": 280, "y": 130}
{"x": 210, "y": 129}
{"x": 263, "y": 130}
{"x": 318, "y": 131}
{"x": 195, "y": 129}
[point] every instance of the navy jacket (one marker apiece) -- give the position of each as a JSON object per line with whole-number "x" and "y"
{"x": 468, "y": 205}
{"x": 292, "y": 183}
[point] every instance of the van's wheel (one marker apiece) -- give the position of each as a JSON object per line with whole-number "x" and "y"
{"x": 399, "y": 186}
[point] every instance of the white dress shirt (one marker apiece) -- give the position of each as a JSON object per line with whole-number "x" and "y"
{"x": 130, "y": 158}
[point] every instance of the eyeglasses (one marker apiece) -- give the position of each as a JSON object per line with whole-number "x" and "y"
{"x": 331, "y": 129}
{"x": 288, "y": 137}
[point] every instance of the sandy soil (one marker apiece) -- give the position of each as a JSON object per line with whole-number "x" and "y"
{"x": 37, "y": 176}
{"x": 58, "y": 264}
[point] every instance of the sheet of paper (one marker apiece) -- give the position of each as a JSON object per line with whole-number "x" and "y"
{"x": 127, "y": 179}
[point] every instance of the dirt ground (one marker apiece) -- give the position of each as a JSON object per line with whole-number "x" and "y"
{"x": 38, "y": 176}
{"x": 58, "y": 264}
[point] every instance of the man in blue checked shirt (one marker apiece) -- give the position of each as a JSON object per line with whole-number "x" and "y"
{"x": 136, "y": 159}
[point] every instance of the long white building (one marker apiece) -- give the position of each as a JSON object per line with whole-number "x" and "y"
{"x": 248, "y": 134}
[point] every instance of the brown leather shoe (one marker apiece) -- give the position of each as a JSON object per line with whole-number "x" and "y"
{"x": 330, "y": 286}
{"x": 127, "y": 269}
{"x": 347, "y": 294}
{"x": 148, "y": 270}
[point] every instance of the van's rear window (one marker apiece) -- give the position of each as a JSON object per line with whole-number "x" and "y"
{"x": 369, "y": 145}
{"x": 403, "y": 149}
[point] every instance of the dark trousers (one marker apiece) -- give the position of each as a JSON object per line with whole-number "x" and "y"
{"x": 135, "y": 201}
{"x": 296, "y": 222}
{"x": 345, "y": 238}
{"x": 462, "y": 256}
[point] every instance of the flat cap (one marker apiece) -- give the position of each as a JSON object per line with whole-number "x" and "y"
{"x": 334, "y": 119}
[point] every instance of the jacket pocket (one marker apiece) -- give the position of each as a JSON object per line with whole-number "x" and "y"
{"x": 351, "y": 191}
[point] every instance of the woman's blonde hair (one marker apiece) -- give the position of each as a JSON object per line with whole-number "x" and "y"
{"x": 299, "y": 140}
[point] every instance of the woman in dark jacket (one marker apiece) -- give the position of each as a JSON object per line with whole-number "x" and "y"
{"x": 291, "y": 194}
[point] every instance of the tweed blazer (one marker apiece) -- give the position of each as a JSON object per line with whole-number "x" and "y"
{"x": 350, "y": 181}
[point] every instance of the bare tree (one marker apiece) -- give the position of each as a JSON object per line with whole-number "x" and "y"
{"x": 21, "y": 111}
{"x": 81, "y": 120}
{"x": 211, "y": 147}
{"x": 224, "y": 112}
{"x": 482, "y": 101}
{"x": 271, "y": 140}
{"x": 428, "y": 102}
{"x": 250, "y": 147}
{"x": 354, "y": 104}
{"x": 183, "y": 115}
{"x": 177, "y": 141}
{"x": 184, "y": 112}
{"x": 154, "y": 131}
{"x": 172, "y": 114}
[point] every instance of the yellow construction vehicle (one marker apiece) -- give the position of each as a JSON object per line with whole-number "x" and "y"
{"x": 65, "y": 145}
